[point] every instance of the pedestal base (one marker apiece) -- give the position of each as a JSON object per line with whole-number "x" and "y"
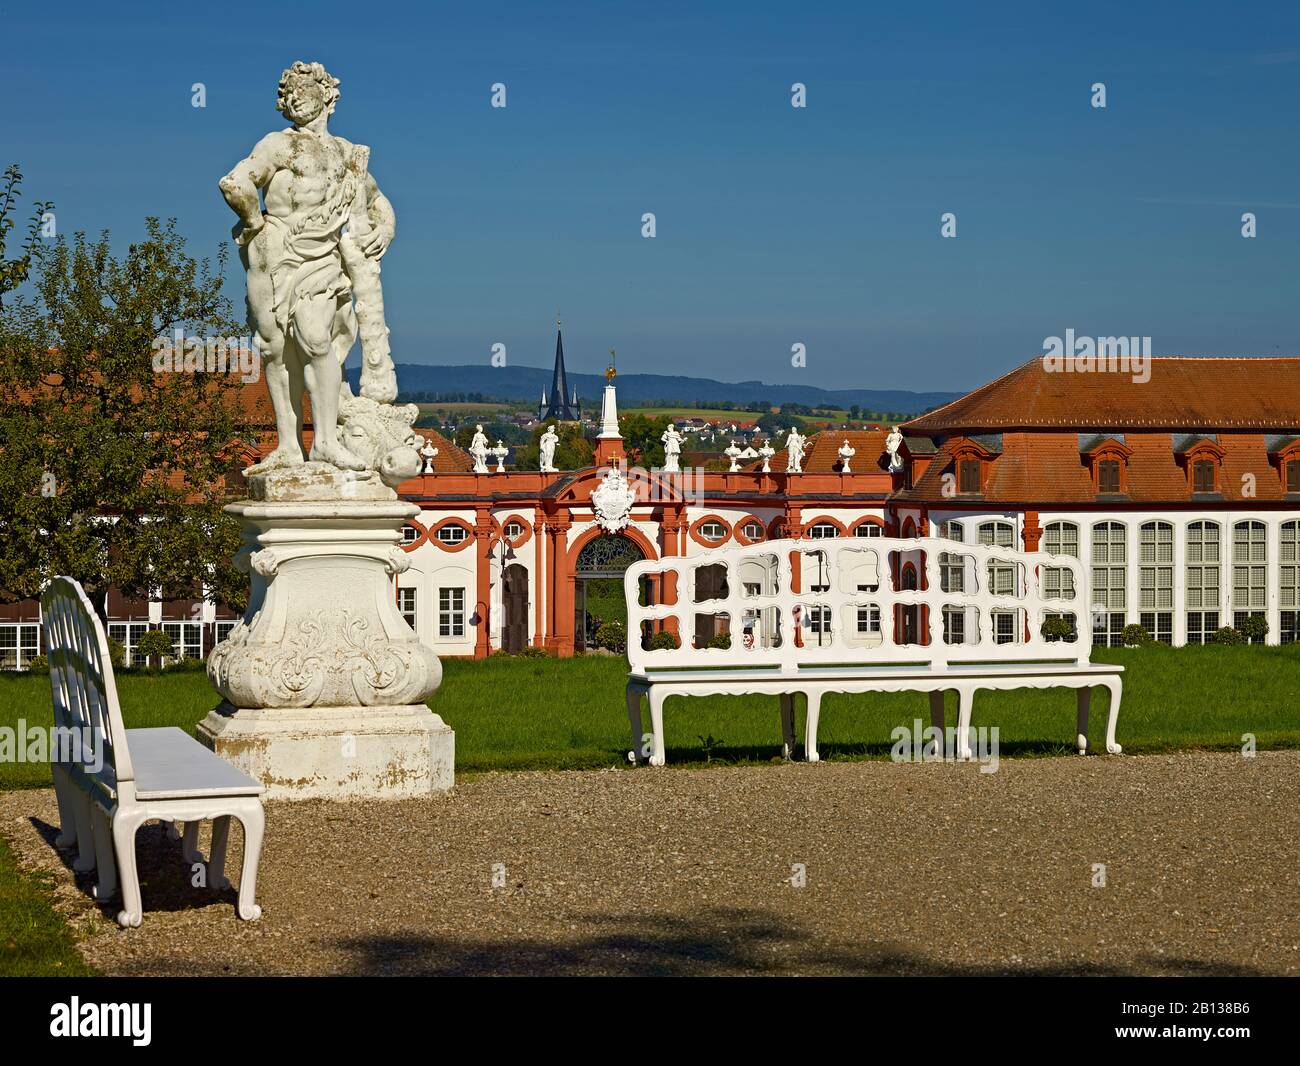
{"x": 335, "y": 753}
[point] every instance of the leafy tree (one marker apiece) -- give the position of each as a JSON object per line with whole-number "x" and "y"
{"x": 115, "y": 473}
{"x": 13, "y": 272}
{"x": 573, "y": 452}
{"x": 775, "y": 423}
{"x": 641, "y": 441}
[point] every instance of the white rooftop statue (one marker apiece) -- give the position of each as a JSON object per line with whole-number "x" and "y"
{"x": 312, "y": 229}
{"x": 546, "y": 449}
{"x": 478, "y": 450}
{"x": 672, "y": 449}
{"x": 892, "y": 444}
{"x": 795, "y": 443}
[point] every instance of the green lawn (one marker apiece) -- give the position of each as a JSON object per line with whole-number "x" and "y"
{"x": 541, "y": 713}
{"x": 512, "y": 713}
{"x": 36, "y": 940}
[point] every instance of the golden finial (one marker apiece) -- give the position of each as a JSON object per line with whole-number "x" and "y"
{"x": 610, "y": 372}
{"x": 557, "y": 318}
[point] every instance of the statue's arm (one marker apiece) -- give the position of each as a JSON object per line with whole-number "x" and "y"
{"x": 240, "y": 187}
{"x": 383, "y": 221}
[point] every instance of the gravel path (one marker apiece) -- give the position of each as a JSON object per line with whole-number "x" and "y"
{"x": 909, "y": 869}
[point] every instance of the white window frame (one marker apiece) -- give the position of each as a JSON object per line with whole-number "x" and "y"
{"x": 451, "y": 612}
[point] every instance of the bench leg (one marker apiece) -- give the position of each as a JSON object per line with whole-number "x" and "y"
{"x": 634, "y": 720}
{"x": 124, "y": 830}
{"x": 106, "y": 888}
{"x": 85, "y": 859}
{"x": 217, "y": 865}
{"x": 1081, "y": 735}
{"x": 190, "y": 841}
{"x": 787, "y": 725}
{"x": 1116, "y": 687}
{"x": 936, "y": 749}
{"x": 656, "y": 699}
{"x": 965, "y": 702}
{"x": 253, "y": 819}
{"x": 64, "y": 792}
{"x": 810, "y": 727}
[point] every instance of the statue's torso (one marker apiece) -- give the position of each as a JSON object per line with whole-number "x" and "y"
{"x": 315, "y": 178}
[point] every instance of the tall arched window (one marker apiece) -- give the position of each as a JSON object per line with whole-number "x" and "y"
{"x": 1203, "y": 596}
{"x": 1109, "y": 577}
{"x": 1060, "y": 538}
{"x": 1156, "y": 580}
{"x": 1249, "y": 571}
{"x": 1002, "y": 576}
{"x": 1289, "y": 597}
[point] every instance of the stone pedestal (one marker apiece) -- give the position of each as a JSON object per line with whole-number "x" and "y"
{"x": 323, "y": 681}
{"x": 336, "y": 752}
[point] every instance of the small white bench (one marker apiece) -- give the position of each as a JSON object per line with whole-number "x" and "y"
{"x": 116, "y": 779}
{"x": 823, "y": 616}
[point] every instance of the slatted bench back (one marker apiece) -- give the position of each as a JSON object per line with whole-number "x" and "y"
{"x": 796, "y": 604}
{"x": 81, "y": 676}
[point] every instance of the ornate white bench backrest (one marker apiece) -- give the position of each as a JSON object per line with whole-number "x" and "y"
{"x": 855, "y": 601}
{"x": 81, "y": 679}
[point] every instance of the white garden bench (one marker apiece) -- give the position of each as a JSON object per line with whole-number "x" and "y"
{"x": 116, "y": 779}
{"x": 842, "y": 615}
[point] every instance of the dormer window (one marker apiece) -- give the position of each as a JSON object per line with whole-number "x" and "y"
{"x": 1107, "y": 462}
{"x": 1108, "y": 477}
{"x": 1203, "y": 475}
{"x": 1202, "y": 461}
{"x": 968, "y": 476}
{"x": 1293, "y": 476}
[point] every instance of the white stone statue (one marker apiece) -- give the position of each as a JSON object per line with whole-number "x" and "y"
{"x": 546, "y": 449}
{"x": 428, "y": 452}
{"x": 795, "y": 443}
{"x": 892, "y": 444}
{"x": 324, "y": 683}
{"x": 767, "y": 451}
{"x": 478, "y": 450}
{"x": 672, "y": 449}
{"x": 846, "y": 453}
{"x": 500, "y": 451}
{"x": 318, "y": 242}
{"x": 733, "y": 452}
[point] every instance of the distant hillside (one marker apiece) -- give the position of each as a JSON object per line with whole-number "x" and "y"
{"x": 525, "y": 383}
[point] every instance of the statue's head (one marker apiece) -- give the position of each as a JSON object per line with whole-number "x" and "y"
{"x": 306, "y": 89}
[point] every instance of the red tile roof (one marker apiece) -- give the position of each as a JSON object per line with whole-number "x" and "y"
{"x": 1046, "y": 468}
{"x": 1208, "y": 394}
{"x": 822, "y": 454}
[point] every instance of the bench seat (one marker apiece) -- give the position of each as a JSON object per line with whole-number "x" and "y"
{"x": 171, "y": 764}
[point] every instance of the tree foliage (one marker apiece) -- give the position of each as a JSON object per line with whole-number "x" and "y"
{"x": 573, "y": 452}
{"x": 114, "y": 473}
{"x": 13, "y": 272}
{"x": 641, "y": 439}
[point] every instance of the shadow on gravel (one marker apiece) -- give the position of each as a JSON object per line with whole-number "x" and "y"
{"x": 166, "y": 879}
{"x": 724, "y": 941}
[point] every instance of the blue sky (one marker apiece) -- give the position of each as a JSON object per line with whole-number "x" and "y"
{"x": 775, "y": 225}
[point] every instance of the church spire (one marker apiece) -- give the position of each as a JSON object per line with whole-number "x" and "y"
{"x": 560, "y": 407}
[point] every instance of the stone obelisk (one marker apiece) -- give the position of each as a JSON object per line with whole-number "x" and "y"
{"x": 324, "y": 683}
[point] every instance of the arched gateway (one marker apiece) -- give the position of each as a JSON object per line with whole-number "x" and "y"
{"x": 598, "y": 585}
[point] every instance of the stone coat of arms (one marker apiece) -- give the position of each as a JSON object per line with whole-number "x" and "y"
{"x": 612, "y": 500}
